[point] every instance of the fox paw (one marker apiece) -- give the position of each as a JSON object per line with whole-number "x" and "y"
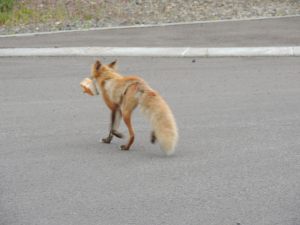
{"x": 106, "y": 140}
{"x": 153, "y": 138}
{"x": 124, "y": 147}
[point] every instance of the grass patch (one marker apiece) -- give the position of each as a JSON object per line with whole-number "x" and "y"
{"x": 6, "y": 7}
{"x": 18, "y": 13}
{"x": 22, "y": 14}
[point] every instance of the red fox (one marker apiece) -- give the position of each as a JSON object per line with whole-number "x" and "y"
{"x": 122, "y": 94}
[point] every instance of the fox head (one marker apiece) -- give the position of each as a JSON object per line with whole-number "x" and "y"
{"x": 100, "y": 71}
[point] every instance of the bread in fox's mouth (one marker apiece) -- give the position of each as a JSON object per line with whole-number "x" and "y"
{"x": 88, "y": 87}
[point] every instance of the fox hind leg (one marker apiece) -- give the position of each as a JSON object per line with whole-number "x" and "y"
{"x": 129, "y": 103}
{"x": 127, "y": 120}
{"x": 153, "y": 137}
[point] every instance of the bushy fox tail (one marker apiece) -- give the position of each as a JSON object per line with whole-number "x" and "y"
{"x": 161, "y": 118}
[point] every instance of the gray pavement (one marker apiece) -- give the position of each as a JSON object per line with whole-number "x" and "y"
{"x": 253, "y": 33}
{"x": 237, "y": 161}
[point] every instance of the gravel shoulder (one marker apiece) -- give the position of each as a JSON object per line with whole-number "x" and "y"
{"x": 122, "y": 13}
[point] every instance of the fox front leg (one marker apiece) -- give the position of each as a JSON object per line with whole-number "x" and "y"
{"x": 115, "y": 123}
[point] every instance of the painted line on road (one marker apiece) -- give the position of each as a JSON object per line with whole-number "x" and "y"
{"x": 182, "y": 52}
{"x": 146, "y": 26}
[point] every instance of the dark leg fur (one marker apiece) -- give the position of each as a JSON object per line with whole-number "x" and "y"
{"x": 112, "y": 132}
{"x": 153, "y": 137}
{"x": 108, "y": 139}
{"x": 117, "y": 134}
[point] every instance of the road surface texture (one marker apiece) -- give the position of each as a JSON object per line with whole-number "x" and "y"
{"x": 253, "y": 33}
{"x": 237, "y": 161}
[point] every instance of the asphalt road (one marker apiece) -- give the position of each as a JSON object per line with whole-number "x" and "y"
{"x": 253, "y": 33}
{"x": 237, "y": 161}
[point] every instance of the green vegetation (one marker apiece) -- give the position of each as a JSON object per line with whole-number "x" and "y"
{"x": 15, "y": 13}
{"x": 6, "y": 7}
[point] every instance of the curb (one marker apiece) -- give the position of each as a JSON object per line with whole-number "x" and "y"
{"x": 182, "y": 52}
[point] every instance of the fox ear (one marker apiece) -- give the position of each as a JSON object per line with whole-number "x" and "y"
{"x": 113, "y": 64}
{"x": 97, "y": 65}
